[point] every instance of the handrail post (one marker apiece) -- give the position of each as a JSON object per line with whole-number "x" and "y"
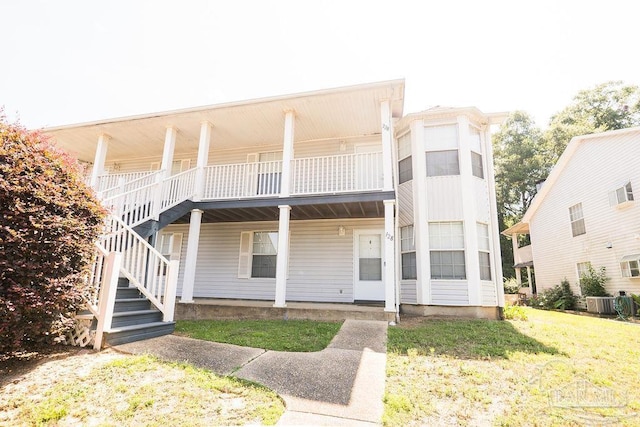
{"x": 170, "y": 292}
{"x": 107, "y": 297}
{"x": 157, "y": 197}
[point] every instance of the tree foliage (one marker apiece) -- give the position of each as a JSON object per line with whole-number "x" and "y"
{"x": 607, "y": 106}
{"x": 49, "y": 221}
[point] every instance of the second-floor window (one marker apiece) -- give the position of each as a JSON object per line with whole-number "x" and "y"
{"x": 405, "y": 167}
{"x": 441, "y": 163}
{"x": 476, "y": 165}
{"x": 621, "y": 195}
{"x": 577, "y": 220}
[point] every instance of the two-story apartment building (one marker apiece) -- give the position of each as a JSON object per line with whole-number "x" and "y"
{"x": 586, "y": 213}
{"x": 332, "y": 196}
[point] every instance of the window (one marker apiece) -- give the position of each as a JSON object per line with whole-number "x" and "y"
{"x": 577, "y": 220}
{"x": 476, "y": 165}
{"x": 630, "y": 266}
{"x": 446, "y": 240}
{"x": 582, "y": 268}
{"x": 441, "y": 163}
{"x": 621, "y": 195}
{"x": 264, "y": 254}
{"x": 484, "y": 251}
{"x": 405, "y": 170}
{"x": 408, "y": 250}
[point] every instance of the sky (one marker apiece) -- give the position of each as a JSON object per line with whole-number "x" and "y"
{"x": 65, "y": 62}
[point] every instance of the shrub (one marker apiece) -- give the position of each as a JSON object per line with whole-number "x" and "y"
{"x": 49, "y": 221}
{"x": 515, "y": 312}
{"x": 511, "y": 286}
{"x": 592, "y": 283}
{"x": 559, "y": 297}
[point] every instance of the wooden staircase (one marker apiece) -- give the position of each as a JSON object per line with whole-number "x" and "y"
{"x": 134, "y": 317}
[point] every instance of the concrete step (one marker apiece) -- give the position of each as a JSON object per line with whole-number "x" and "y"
{"x": 128, "y": 318}
{"x": 126, "y": 334}
{"x": 131, "y": 304}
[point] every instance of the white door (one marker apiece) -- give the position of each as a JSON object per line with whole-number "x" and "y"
{"x": 369, "y": 254}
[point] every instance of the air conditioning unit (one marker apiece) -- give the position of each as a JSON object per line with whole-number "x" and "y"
{"x": 600, "y": 305}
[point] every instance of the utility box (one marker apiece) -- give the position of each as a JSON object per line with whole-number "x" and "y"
{"x": 600, "y": 305}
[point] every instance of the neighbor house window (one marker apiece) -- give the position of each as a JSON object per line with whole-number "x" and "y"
{"x": 484, "y": 251}
{"x": 621, "y": 195}
{"x": 630, "y": 266}
{"x": 582, "y": 268}
{"x": 446, "y": 241}
{"x": 476, "y": 165}
{"x": 264, "y": 254}
{"x": 577, "y": 220}
{"x": 408, "y": 250}
{"x": 441, "y": 163}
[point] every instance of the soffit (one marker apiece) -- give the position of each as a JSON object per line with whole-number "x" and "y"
{"x": 333, "y": 113}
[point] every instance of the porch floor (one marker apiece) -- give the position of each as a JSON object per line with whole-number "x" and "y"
{"x": 211, "y": 308}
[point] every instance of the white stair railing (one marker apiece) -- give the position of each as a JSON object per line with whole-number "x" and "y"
{"x": 147, "y": 269}
{"x": 178, "y": 188}
{"x": 112, "y": 181}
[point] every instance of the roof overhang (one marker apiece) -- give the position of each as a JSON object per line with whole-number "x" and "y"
{"x": 451, "y": 113}
{"x": 352, "y": 111}
{"x": 519, "y": 228}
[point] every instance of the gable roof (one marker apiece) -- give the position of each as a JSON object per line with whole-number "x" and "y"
{"x": 610, "y": 137}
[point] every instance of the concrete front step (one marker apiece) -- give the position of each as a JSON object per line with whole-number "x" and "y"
{"x": 128, "y": 318}
{"x": 126, "y": 334}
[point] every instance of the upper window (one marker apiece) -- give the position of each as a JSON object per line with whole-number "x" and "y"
{"x": 476, "y": 165}
{"x": 408, "y": 250}
{"x": 621, "y": 195}
{"x": 446, "y": 241}
{"x": 441, "y": 163}
{"x": 630, "y": 266}
{"x": 405, "y": 170}
{"x": 264, "y": 254}
{"x": 577, "y": 220}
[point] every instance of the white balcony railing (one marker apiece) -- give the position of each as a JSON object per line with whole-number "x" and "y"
{"x": 243, "y": 180}
{"x": 115, "y": 180}
{"x": 523, "y": 255}
{"x": 337, "y": 174}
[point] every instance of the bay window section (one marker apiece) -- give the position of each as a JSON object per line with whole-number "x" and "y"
{"x": 446, "y": 240}
{"x": 408, "y": 253}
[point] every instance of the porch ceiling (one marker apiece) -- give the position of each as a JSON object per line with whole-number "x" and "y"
{"x": 333, "y": 113}
{"x": 302, "y": 208}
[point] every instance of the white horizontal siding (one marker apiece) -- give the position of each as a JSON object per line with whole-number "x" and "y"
{"x": 597, "y": 167}
{"x": 450, "y": 292}
{"x": 481, "y": 194}
{"x": 405, "y": 203}
{"x": 489, "y": 297}
{"x": 320, "y": 263}
{"x": 408, "y": 292}
{"x": 444, "y": 198}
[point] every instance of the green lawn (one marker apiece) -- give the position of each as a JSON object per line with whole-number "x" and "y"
{"x": 280, "y": 335}
{"x": 554, "y": 369}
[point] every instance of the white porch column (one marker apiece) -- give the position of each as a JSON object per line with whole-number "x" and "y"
{"x": 421, "y": 215}
{"x": 287, "y": 153}
{"x": 192, "y": 256}
{"x": 282, "y": 263}
{"x": 389, "y": 256}
{"x": 387, "y": 145}
{"x": 529, "y": 279}
{"x": 469, "y": 213}
{"x": 168, "y": 150}
{"x": 203, "y": 159}
{"x": 518, "y": 276}
{"x": 494, "y": 229}
{"x": 100, "y": 158}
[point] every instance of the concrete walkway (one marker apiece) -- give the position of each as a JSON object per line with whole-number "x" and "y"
{"x": 342, "y": 385}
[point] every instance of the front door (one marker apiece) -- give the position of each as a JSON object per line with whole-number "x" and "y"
{"x": 368, "y": 284}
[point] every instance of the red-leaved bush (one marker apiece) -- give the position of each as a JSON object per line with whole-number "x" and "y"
{"x": 49, "y": 221}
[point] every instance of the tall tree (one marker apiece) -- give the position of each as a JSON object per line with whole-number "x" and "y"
{"x": 607, "y": 106}
{"x": 521, "y": 162}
